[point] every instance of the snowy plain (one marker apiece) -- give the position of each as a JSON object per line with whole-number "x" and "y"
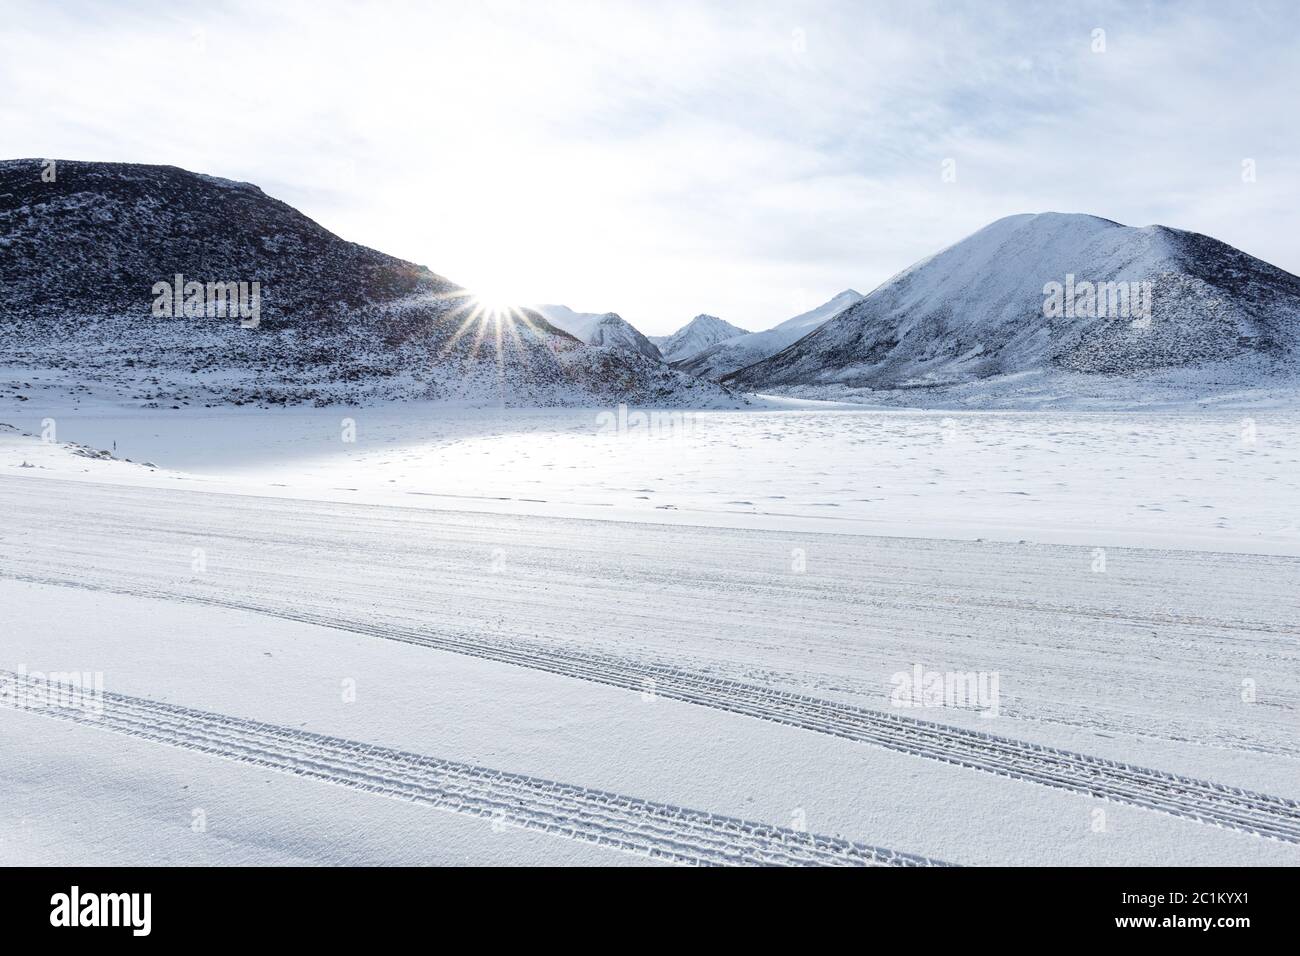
{"x": 1211, "y": 479}
{"x": 702, "y": 611}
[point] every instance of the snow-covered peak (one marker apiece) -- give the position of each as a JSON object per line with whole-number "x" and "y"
{"x": 695, "y": 336}
{"x": 600, "y": 328}
{"x": 977, "y": 311}
{"x": 616, "y": 332}
{"x": 739, "y": 351}
{"x": 581, "y": 325}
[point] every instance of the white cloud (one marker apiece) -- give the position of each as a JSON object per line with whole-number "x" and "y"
{"x": 662, "y": 159}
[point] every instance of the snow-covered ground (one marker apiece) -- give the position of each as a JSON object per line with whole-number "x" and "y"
{"x": 595, "y": 639}
{"x": 1213, "y": 480}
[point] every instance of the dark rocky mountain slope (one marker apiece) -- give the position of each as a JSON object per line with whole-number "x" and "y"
{"x": 80, "y": 257}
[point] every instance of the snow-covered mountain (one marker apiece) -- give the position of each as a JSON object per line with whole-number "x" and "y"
{"x": 1030, "y": 305}
{"x": 596, "y": 328}
{"x": 735, "y": 353}
{"x": 694, "y": 337}
{"x": 83, "y": 254}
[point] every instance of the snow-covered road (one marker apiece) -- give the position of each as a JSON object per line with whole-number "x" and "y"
{"x": 1180, "y": 661}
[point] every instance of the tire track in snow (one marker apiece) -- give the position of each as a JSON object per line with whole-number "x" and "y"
{"x": 281, "y": 552}
{"x": 659, "y": 831}
{"x": 1201, "y": 800}
{"x": 1151, "y": 649}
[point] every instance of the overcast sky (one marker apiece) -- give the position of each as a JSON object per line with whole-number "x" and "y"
{"x": 659, "y": 160}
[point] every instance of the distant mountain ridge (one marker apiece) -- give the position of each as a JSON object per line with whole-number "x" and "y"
{"x": 694, "y": 337}
{"x": 731, "y": 355}
{"x": 80, "y": 256}
{"x": 602, "y": 329}
{"x": 972, "y": 321}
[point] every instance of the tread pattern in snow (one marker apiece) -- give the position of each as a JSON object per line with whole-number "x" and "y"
{"x": 658, "y": 831}
{"x": 1201, "y": 800}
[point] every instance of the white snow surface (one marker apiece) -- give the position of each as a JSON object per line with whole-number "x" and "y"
{"x": 1214, "y": 479}
{"x": 608, "y": 606}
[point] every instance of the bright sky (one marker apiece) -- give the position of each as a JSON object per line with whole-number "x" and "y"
{"x": 662, "y": 159}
